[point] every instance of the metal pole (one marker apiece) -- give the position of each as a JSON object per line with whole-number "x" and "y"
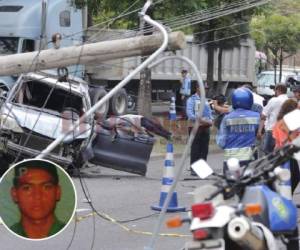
{"x": 57, "y": 141}
{"x": 186, "y": 149}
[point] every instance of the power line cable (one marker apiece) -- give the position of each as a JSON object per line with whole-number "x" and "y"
{"x": 200, "y": 18}
{"x": 133, "y": 32}
{"x": 73, "y": 233}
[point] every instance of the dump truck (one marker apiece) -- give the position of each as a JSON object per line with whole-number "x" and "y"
{"x": 238, "y": 66}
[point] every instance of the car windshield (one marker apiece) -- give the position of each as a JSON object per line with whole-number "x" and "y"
{"x": 40, "y": 95}
{"x": 8, "y": 45}
{"x": 268, "y": 79}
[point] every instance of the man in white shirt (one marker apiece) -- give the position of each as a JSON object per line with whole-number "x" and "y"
{"x": 269, "y": 117}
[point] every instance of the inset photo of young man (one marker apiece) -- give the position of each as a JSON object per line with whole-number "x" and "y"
{"x": 37, "y": 199}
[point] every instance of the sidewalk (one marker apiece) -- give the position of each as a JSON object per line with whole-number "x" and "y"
{"x": 179, "y": 130}
{"x": 159, "y": 148}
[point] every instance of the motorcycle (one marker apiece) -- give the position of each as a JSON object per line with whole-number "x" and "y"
{"x": 245, "y": 209}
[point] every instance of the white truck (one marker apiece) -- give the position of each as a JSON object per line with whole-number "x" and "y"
{"x": 28, "y": 25}
{"x": 238, "y": 66}
{"x": 266, "y": 81}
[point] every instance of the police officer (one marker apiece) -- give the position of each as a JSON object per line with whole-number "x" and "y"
{"x": 185, "y": 89}
{"x": 238, "y": 129}
{"x": 199, "y": 148}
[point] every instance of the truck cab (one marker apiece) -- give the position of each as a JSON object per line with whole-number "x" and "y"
{"x": 28, "y": 25}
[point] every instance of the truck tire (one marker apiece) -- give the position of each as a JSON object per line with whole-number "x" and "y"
{"x": 118, "y": 104}
{"x": 96, "y": 94}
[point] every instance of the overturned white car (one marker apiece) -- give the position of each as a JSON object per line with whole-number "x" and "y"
{"x": 37, "y": 110}
{"x": 40, "y": 107}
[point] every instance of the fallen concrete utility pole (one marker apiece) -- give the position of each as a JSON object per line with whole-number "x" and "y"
{"x": 87, "y": 54}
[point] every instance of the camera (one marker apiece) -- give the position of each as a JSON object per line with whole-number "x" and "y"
{"x": 221, "y": 100}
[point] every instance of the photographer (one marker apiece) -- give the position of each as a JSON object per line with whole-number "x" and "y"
{"x": 220, "y": 108}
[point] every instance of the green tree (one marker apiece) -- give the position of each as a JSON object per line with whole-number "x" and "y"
{"x": 277, "y": 34}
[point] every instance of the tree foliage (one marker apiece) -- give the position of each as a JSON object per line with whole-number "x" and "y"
{"x": 277, "y": 32}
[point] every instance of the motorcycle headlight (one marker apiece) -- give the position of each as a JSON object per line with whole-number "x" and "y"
{"x": 9, "y": 123}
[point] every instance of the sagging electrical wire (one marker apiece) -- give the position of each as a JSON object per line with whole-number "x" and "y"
{"x": 187, "y": 17}
{"x": 73, "y": 233}
{"x": 204, "y": 15}
{"x": 173, "y": 22}
{"x": 119, "y": 223}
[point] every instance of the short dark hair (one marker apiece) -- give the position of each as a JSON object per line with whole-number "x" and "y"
{"x": 34, "y": 164}
{"x": 184, "y": 71}
{"x": 281, "y": 87}
{"x": 195, "y": 86}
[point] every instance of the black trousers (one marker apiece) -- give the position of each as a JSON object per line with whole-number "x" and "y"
{"x": 199, "y": 149}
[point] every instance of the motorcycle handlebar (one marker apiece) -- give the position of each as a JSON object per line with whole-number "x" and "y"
{"x": 261, "y": 168}
{"x": 271, "y": 161}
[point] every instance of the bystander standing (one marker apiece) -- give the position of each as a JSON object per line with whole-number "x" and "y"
{"x": 269, "y": 118}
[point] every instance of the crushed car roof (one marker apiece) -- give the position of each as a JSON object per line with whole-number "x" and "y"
{"x": 77, "y": 85}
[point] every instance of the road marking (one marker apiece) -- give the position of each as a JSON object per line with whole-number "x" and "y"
{"x": 78, "y": 210}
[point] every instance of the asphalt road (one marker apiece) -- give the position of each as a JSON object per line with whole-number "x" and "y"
{"x": 123, "y": 197}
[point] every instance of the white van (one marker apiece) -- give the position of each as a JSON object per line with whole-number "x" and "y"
{"x": 266, "y": 82}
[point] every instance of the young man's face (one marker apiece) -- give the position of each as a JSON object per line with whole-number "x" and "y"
{"x": 36, "y": 194}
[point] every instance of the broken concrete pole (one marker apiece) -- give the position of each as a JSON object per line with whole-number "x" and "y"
{"x": 87, "y": 54}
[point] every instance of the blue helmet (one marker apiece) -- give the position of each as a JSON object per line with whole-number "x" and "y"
{"x": 242, "y": 98}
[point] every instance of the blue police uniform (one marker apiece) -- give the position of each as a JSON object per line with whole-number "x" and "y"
{"x": 199, "y": 148}
{"x": 237, "y": 134}
{"x": 186, "y": 86}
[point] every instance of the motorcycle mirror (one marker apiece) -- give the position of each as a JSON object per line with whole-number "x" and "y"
{"x": 292, "y": 120}
{"x": 202, "y": 169}
{"x": 297, "y": 156}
